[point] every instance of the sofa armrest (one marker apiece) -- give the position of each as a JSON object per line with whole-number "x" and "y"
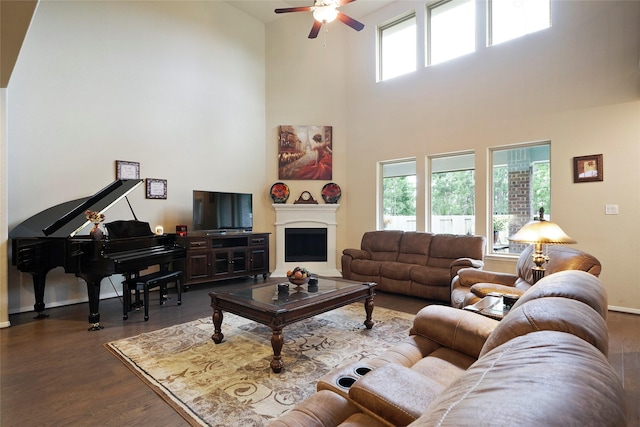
{"x": 470, "y": 276}
{"x": 461, "y": 263}
{"x": 459, "y": 330}
{"x": 357, "y": 253}
{"x": 314, "y": 412}
{"x": 395, "y": 393}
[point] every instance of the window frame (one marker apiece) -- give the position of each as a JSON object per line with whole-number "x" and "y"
{"x": 490, "y": 25}
{"x": 465, "y": 157}
{"x": 429, "y": 36}
{"x": 490, "y": 191}
{"x": 402, "y": 19}
{"x": 380, "y": 219}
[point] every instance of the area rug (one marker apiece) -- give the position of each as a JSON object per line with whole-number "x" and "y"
{"x": 231, "y": 383}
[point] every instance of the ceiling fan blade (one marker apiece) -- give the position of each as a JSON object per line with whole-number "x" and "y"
{"x": 294, "y": 9}
{"x": 356, "y": 25}
{"x": 315, "y": 29}
{"x": 343, "y": 2}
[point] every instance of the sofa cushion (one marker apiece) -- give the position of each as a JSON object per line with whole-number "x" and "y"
{"x": 396, "y": 270}
{"x": 431, "y": 275}
{"x": 573, "y": 284}
{"x": 365, "y": 267}
{"x": 443, "y": 365}
{"x": 446, "y": 248}
{"x": 546, "y": 378}
{"x": 414, "y": 248}
{"x": 560, "y": 258}
{"x": 382, "y": 245}
{"x": 551, "y": 314}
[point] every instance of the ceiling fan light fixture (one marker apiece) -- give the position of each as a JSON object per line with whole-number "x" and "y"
{"x": 325, "y": 14}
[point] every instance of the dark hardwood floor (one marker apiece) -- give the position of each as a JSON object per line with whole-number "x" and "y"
{"x": 56, "y": 373}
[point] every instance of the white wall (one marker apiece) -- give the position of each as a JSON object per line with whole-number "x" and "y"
{"x": 176, "y": 86}
{"x": 306, "y": 85}
{"x": 575, "y": 84}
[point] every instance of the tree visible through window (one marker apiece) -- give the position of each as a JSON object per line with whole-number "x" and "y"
{"x": 453, "y": 194}
{"x": 399, "y": 195}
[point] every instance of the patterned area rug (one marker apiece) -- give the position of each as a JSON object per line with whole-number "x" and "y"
{"x": 231, "y": 383}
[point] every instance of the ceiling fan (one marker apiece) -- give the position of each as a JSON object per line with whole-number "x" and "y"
{"x": 325, "y": 11}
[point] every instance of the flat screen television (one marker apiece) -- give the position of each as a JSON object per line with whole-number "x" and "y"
{"x": 220, "y": 211}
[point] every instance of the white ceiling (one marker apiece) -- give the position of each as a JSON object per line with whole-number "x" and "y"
{"x": 263, "y": 10}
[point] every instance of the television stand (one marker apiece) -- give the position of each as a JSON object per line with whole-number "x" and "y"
{"x": 220, "y": 255}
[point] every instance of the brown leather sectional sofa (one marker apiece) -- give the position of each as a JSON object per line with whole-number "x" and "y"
{"x": 544, "y": 364}
{"x": 413, "y": 263}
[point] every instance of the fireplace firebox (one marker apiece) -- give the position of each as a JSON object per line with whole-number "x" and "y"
{"x": 305, "y": 244}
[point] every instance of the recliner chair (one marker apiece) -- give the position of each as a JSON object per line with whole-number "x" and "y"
{"x": 471, "y": 284}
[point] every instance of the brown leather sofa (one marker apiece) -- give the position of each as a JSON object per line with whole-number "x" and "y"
{"x": 413, "y": 263}
{"x": 544, "y": 364}
{"x": 471, "y": 285}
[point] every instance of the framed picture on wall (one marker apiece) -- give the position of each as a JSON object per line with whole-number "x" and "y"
{"x": 156, "y": 188}
{"x": 588, "y": 168}
{"x": 305, "y": 152}
{"x": 127, "y": 170}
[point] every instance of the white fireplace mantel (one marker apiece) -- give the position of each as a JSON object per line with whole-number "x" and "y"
{"x": 306, "y": 216}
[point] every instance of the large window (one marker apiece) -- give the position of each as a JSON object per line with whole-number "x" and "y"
{"x": 399, "y": 195}
{"x": 509, "y": 19}
{"x": 453, "y": 194}
{"x": 521, "y": 185}
{"x": 451, "y": 30}
{"x": 397, "y": 44}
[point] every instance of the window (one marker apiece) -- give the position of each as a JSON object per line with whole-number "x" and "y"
{"x": 399, "y": 195}
{"x": 453, "y": 194}
{"x": 397, "y": 42}
{"x": 452, "y": 30}
{"x": 509, "y": 19}
{"x": 521, "y": 185}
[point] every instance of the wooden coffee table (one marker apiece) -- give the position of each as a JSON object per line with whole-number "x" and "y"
{"x": 267, "y": 305}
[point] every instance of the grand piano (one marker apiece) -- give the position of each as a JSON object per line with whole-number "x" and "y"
{"x": 50, "y": 239}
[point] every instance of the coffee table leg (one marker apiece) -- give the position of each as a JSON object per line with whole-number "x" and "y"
{"x": 217, "y": 325}
{"x": 276, "y": 342}
{"x": 368, "y": 308}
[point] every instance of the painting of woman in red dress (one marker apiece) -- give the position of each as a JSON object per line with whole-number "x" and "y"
{"x": 305, "y": 153}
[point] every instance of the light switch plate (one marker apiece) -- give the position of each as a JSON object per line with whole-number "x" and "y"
{"x": 611, "y": 209}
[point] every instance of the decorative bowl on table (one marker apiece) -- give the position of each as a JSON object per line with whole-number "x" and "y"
{"x": 299, "y": 282}
{"x": 299, "y": 276}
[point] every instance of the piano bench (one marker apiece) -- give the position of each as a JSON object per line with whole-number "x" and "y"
{"x": 144, "y": 284}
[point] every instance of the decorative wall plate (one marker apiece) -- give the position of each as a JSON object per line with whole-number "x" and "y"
{"x": 279, "y": 192}
{"x": 331, "y": 193}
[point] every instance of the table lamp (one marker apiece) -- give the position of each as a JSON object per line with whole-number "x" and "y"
{"x": 541, "y": 232}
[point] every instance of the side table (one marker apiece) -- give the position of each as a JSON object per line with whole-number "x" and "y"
{"x": 492, "y": 306}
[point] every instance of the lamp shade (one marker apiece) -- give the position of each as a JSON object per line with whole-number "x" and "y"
{"x": 545, "y": 232}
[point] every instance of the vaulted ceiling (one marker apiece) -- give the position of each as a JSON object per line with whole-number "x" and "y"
{"x": 15, "y": 17}
{"x": 263, "y": 10}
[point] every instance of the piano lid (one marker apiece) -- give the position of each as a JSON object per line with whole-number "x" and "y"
{"x": 68, "y": 218}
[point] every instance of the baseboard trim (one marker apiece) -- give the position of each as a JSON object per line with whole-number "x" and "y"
{"x": 624, "y": 309}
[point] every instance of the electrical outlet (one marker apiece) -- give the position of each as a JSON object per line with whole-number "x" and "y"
{"x": 611, "y": 209}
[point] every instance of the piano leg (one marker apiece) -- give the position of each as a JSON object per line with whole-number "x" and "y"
{"x": 93, "y": 290}
{"x": 38, "y": 289}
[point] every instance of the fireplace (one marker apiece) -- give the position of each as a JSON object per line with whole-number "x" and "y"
{"x": 305, "y": 244}
{"x": 307, "y": 230}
